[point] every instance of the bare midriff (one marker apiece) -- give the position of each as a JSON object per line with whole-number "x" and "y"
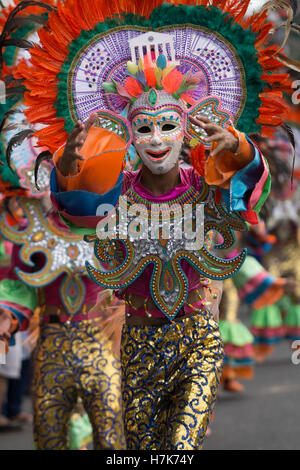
{"x": 55, "y": 310}
{"x": 138, "y": 302}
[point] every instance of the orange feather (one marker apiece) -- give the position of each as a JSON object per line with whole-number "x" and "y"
{"x": 133, "y": 87}
{"x": 269, "y": 120}
{"x": 188, "y": 98}
{"x": 54, "y": 49}
{"x": 72, "y": 16}
{"x": 271, "y": 103}
{"x": 149, "y": 72}
{"x": 198, "y": 159}
{"x": 172, "y": 81}
{"x": 267, "y": 131}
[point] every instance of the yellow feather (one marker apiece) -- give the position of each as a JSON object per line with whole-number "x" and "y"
{"x": 140, "y": 64}
{"x": 132, "y": 67}
{"x": 158, "y": 74}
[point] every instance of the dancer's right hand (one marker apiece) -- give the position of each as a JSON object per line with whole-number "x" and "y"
{"x": 68, "y": 162}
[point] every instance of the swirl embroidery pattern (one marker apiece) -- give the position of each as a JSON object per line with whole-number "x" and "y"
{"x": 166, "y": 255}
{"x": 170, "y": 380}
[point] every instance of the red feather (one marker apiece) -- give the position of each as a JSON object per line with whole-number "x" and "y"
{"x": 133, "y": 87}
{"x": 198, "y": 159}
{"x": 172, "y": 81}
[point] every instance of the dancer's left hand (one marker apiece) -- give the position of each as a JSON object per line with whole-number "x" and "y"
{"x": 215, "y": 133}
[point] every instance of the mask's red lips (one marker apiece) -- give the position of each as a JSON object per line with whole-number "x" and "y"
{"x": 158, "y": 155}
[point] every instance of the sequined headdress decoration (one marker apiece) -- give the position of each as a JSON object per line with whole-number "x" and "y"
{"x": 155, "y": 81}
{"x": 152, "y": 72}
{"x": 85, "y": 45}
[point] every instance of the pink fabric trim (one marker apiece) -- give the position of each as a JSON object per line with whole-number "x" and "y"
{"x": 89, "y": 221}
{"x": 239, "y": 352}
{"x": 268, "y": 332}
{"x": 72, "y": 318}
{"x": 232, "y": 254}
{"x": 188, "y": 178}
{"x": 252, "y": 284}
{"x": 258, "y": 188}
{"x": 293, "y": 330}
{"x": 8, "y": 247}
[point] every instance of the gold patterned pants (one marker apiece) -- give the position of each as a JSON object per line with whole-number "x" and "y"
{"x": 170, "y": 380}
{"x": 73, "y": 361}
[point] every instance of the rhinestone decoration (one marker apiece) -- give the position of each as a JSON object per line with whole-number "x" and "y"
{"x": 152, "y": 97}
{"x": 62, "y": 251}
{"x": 114, "y": 123}
{"x": 38, "y": 236}
{"x": 210, "y": 108}
{"x": 27, "y": 179}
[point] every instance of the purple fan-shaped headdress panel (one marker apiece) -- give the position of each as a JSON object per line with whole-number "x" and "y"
{"x": 197, "y": 50}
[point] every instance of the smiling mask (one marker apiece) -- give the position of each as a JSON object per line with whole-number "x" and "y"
{"x": 158, "y": 135}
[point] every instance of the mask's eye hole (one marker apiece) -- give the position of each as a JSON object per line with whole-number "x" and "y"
{"x": 144, "y": 130}
{"x": 168, "y": 127}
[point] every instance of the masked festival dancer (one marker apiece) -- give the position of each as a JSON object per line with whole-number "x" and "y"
{"x": 181, "y": 72}
{"x": 57, "y": 283}
{"x": 72, "y": 358}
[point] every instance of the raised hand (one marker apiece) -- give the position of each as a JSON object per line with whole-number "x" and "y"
{"x": 215, "y": 133}
{"x": 68, "y": 162}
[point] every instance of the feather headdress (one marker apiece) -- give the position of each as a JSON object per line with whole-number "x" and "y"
{"x": 85, "y": 45}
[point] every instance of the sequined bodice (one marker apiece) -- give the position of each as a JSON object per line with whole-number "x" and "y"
{"x": 140, "y": 246}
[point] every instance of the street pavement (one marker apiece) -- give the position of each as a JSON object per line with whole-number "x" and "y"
{"x": 265, "y": 416}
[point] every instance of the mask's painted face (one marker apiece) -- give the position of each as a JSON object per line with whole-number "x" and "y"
{"x": 158, "y": 138}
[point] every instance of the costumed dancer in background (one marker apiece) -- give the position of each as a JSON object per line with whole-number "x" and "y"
{"x": 256, "y": 287}
{"x": 237, "y": 339}
{"x": 47, "y": 271}
{"x": 175, "y": 86}
{"x": 14, "y": 373}
{"x": 261, "y": 290}
{"x": 283, "y": 260}
{"x": 278, "y": 317}
{"x": 72, "y": 358}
